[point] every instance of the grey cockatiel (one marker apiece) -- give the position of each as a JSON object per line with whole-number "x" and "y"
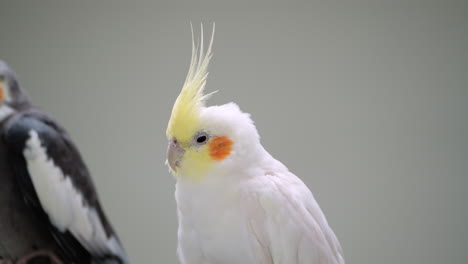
{"x": 53, "y": 179}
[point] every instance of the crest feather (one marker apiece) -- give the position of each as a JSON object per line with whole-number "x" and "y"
{"x": 185, "y": 113}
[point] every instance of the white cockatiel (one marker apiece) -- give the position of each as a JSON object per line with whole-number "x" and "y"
{"x": 236, "y": 203}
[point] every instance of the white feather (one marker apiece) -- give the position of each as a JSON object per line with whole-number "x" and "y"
{"x": 250, "y": 208}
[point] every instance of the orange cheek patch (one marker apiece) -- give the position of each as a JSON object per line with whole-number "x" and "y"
{"x": 220, "y": 148}
{"x": 2, "y": 94}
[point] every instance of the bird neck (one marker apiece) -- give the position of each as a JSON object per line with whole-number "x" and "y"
{"x": 5, "y": 112}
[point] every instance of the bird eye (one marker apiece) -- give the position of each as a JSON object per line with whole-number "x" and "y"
{"x": 201, "y": 138}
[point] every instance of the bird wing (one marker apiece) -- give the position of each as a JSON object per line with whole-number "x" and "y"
{"x": 289, "y": 225}
{"x": 55, "y": 179}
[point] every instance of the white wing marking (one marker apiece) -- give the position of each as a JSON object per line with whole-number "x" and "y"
{"x": 63, "y": 203}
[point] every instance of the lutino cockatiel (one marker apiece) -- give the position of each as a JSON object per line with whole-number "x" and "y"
{"x": 235, "y": 202}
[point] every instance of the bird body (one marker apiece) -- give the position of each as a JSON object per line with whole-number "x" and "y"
{"x": 235, "y": 202}
{"x": 54, "y": 179}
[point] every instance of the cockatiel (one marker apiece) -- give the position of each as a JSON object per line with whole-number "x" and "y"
{"x": 235, "y": 202}
{"x": 54, "y": 180}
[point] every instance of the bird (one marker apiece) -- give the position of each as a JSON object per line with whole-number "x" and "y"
{"x": 54, "y": 180}
{"x": 235, "y": 202}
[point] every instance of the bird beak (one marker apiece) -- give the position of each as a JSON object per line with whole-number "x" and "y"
{"x": 174, "y": 154}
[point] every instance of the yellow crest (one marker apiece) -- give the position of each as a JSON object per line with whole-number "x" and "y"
{"x": 184, "y": 120}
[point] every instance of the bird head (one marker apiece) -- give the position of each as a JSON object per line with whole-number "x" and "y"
{"x": 11, "y": 95}
{"x": 7, "y": 83}
{"x": 206, "y": 140}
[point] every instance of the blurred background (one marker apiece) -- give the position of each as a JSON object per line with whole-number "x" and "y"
{"x": 366, "y": 101}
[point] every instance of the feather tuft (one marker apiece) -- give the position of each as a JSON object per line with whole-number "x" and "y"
{"x": 185, "y": 113}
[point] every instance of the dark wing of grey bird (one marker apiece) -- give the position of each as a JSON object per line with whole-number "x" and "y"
{"x": 56, "y": 183}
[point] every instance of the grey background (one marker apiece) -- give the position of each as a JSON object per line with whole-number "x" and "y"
{"x": 366, "y": 101}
